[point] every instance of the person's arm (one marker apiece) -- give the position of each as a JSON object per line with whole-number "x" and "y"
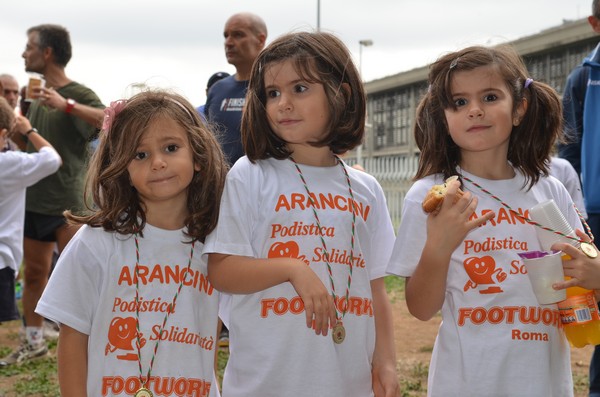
{"x": 72, "y": 362}
{"x": 243, "y": 275}
{"x": 23, "y": 127}
{"x": 573, "y": 98}
{"x": 89, "y": 114}
{"x": 446, "y": 229}
{"x": 385, "y": 379}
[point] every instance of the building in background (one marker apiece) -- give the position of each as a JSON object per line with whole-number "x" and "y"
{"x": 389, "y": 151}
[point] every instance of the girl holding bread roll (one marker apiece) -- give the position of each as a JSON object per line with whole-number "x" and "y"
{"x": 485, "y": 130}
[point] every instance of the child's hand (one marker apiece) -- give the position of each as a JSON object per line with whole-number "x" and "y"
{"x": 448, "y": 227}
{"x": 385, "y": 381}
{"x": 22, "y": 124}
{"x": 583, "y": 270}
{"x": 318, "y": 301}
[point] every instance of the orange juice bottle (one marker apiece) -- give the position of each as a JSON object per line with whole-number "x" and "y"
{"x": 580, "y": 318}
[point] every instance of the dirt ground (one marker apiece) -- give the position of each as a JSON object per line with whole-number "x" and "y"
{"x": 414, "y": 343}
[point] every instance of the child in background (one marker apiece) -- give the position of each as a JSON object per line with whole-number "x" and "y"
{"x": 303, "y": 239}
{"x": 562, "y": 170}
{"x": 137, "y": 314}
{"x": 484, "y": 120}
{"x": 18, "y": 170}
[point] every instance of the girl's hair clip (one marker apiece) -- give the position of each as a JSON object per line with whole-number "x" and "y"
{"x": 454, "y": 63}
{"x": 528, "y": 82}
{"x": 110, "y": 112}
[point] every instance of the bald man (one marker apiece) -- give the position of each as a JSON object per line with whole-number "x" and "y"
{"x": 10, "y": 90}
{"x": 245, "y": 36}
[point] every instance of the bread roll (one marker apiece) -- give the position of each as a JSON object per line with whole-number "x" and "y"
{"x": 435, "y": 196}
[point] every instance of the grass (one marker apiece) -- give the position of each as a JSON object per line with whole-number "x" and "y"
{"x": 33, "y": 378}
{"x": 395, "y": 288}
{"x": 39, "y": 377}
{"x": 581, "y": 383}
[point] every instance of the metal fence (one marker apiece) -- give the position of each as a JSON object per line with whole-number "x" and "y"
{"x": 394, "y": 174}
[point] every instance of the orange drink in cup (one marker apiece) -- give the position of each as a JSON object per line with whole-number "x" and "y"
{"x": 35, "y": 82}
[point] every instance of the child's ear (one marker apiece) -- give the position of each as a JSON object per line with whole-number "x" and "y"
{"x": 196, "y": 167}
{"x": 520, "y": 112}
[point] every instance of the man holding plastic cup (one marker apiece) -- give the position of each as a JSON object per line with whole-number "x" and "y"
{"x": 68, "y": 115}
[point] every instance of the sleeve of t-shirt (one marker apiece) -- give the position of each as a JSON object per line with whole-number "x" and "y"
{"x": 237, "y": 213}
{"x": 73, "y": 291}
{"x": 412, "y": 233}
{"x": 29, "y": 168}
{"x": 87, "y": 97}
{"x": 382, "y": 236}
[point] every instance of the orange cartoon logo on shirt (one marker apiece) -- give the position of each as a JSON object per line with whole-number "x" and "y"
{"x": 122, "y": 336}
{"x": 483, "y": 271}
{"x": 289, "y": 249}
{"x": 284, "y": 250}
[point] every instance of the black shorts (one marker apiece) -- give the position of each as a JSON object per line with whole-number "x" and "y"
{"x": 8, "y": 302}
{"x": 42, "y": 227}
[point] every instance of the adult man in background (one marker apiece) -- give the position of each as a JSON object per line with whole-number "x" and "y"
{"x": 67, "y": 114}
{"x": 10, "y": 92}
{"x": 581, "y": 103}
{"x": 245, "y": 36}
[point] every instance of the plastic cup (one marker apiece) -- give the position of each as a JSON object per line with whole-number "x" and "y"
{"x": 34, "y": 82}
{"x": 544, "y": 269}
{"x": 548, "y": 215}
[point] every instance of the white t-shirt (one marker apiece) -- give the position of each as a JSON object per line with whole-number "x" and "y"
{"x": 495, "y": 339}
{"x": 265, "y": 213}
{"x": 562, "y": 170}
{"x": 18, "y": 171}
{"x": 93, "y": 290}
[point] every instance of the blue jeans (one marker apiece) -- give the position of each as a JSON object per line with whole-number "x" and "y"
{"x": 594, "y": 222}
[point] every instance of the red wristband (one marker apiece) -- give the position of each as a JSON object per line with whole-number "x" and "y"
{"x": 70, "y": 105}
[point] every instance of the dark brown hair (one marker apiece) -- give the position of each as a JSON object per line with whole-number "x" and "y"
{"x": 116, "y": 205}
{"x": 530, "y": 142}
{"x": 318, "y": 58}
{"x": 57, "y": 38}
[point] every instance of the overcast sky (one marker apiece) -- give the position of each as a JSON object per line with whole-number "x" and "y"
{"x": 178, "y": 44}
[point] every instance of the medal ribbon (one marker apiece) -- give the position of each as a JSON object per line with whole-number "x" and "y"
{"x": 137, "y": 309}
{"x": 531, "y": 221}
{"x": 330, "y": 272}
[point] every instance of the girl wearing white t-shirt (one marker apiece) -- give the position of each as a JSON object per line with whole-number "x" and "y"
{"x": 303, "y": 240}
{"x": 484, "y": 120}
{"x": 137, "y": 314}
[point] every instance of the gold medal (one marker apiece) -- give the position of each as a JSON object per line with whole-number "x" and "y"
{"x": 589, "y": 250}
{"x": 339, "y": 333}
{"x": 143, "y": 392}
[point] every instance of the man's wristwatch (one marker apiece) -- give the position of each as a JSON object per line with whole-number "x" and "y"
{"x": 70, "y": 105}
